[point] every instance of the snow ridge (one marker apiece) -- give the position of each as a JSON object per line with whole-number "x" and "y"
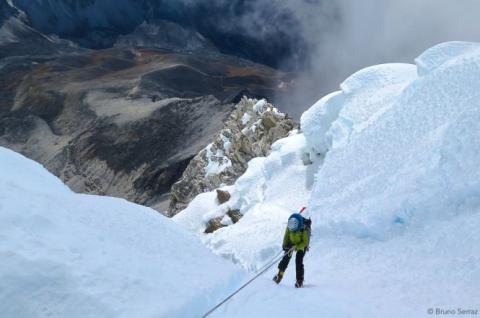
{"x": 389, "y": 167}
{"x": 70, "y": 255}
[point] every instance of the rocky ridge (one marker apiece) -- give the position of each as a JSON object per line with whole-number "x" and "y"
{"x": 249, "y": 132}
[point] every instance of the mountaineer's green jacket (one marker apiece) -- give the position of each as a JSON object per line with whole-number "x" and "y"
{"x": 299, "y": 239}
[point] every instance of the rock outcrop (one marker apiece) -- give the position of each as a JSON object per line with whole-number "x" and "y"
{"x": 222, "y": 196}
{"x": 248, "y": 132}
{"x": 231, "y": 217}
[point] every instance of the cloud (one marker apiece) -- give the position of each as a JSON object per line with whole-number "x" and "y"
{"x": 347, "y": 35}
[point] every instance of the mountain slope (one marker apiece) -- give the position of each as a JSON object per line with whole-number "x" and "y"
{"x": 122, "y": 122}
{"x": 395, "y": 200}
{"x": 70, "y": 255}
{"x": 18, "y": 37}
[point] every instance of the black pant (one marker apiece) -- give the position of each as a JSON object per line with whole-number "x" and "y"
{"x": 298, "y": 263}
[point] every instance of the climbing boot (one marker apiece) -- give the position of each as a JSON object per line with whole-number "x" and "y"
{"x": 299, "y": 284}
{"x": 278, "y": 278}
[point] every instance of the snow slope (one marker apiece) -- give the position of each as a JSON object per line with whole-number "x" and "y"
{"x": 395, "y": 200}
{"x": 70, "y": 255}
{"x": 263, "y": 194}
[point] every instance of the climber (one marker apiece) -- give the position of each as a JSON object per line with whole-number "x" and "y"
{"x": 296, "y": 239}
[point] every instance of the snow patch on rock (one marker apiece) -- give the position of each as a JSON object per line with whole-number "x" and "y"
{"x": 249, "y": 132}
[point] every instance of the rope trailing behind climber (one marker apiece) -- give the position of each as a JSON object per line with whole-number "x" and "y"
{"x": 296, "y": 239}
{"x": 265, "y": 268}
{"x": 287, "y": 252}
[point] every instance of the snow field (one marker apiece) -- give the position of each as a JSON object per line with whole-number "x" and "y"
{"x": 71, "y": 255}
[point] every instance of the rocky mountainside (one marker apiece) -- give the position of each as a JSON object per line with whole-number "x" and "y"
{"x": 263, "y": 31}
{"x": 116, "y": 97}
{"x": 122, "y": 122}
{"x": 249, "y": 132}
{"x": 18, "y": 37}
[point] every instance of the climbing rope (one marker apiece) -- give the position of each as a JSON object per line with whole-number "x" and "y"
{"x": 260, "y": 272}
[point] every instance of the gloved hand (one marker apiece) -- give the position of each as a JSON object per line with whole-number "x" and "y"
{"x": 291, "y": 250}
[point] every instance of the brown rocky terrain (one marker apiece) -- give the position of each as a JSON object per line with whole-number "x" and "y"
{"x": 122, "y": 122}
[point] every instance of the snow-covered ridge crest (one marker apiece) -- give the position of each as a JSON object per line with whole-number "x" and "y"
{"x": 249, "y": 132}
{"x": 442, "y": 53}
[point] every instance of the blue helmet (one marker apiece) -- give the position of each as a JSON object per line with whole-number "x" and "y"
{"x": 295, "y": 222}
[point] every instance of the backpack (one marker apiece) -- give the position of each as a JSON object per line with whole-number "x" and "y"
{"x": 307, "y": 226}
{"x": 299, "y": 224}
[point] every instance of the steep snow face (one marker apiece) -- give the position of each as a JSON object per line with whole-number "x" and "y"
{"x": 414, "y": 163}
{"x": 71, "y": 255}
{"x": 395, "y": 202}
{"x": 338, "y": 116}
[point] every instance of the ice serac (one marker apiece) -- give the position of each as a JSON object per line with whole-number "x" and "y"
{"x": 249, "y": 132}
{"x": 317, "y": 120}
{"x": 71, "y": 255}
{"x": 414, "y": 154}
{"x": 337, "y": 117}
